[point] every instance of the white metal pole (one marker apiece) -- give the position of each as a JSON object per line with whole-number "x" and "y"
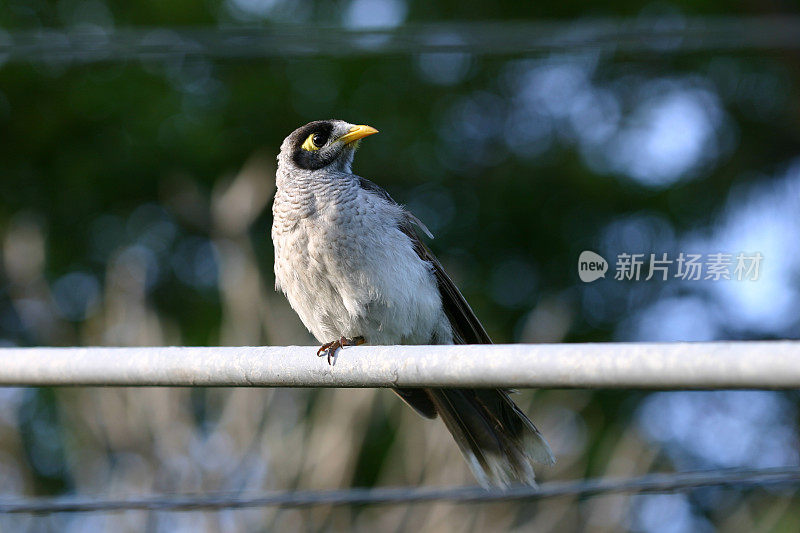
{"x": 711, "y": 365}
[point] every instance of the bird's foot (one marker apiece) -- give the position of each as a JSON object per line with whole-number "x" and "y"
{"x": 329, "y": 348}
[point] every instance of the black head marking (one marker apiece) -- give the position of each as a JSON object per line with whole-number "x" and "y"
{"x": 308, "y": 159}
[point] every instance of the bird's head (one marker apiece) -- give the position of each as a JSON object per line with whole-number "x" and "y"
{"x": 328, "y": 144}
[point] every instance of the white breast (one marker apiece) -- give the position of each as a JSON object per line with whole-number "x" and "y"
{"x": 348, "y": 270}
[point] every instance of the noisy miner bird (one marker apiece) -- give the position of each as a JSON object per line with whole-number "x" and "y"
{"x": 349, "y": 261}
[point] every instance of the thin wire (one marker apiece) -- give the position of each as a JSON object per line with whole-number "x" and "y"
{"x": 651, "y": 483}
{"x": 663, "y": 35}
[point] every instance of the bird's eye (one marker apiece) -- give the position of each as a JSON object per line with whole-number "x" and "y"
{"x": 314, "y": 142}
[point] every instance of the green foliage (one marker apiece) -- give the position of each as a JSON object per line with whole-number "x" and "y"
{"x": 118, "y": 168}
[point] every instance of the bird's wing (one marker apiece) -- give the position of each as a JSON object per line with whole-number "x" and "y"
{"x": 467, "y": 329}
{"x": 498, "y": 439}
{"x": 488, "y": 427}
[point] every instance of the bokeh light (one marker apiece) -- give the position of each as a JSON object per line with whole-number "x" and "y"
{"x": 135, "y": 210}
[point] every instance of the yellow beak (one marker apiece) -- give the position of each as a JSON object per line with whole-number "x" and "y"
{"x": 357, "y": 132}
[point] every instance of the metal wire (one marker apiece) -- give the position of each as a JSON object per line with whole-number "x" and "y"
{"x": 706, "y": 365}
{"x": 640, "y": 35}
{"x": 652, "y": 483}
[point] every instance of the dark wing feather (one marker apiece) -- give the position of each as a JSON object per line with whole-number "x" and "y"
{"x": 492, "y": 432}
{"x": 418, "y": 400}
{"x": 467, "y": 329}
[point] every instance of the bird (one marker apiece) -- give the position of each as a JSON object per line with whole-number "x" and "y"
{"x": 353, "y": 266}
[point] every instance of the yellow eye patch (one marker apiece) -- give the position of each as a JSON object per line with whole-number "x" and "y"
{"x": 309, "y": 145}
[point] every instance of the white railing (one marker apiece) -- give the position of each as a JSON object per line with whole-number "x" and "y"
{"x": 706, "y": 365}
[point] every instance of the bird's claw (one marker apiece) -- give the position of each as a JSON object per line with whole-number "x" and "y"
{"x": 329, "y": 348}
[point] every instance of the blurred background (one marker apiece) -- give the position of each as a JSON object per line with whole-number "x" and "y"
{"x": 134, "y": 211}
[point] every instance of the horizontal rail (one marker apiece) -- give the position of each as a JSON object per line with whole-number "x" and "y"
{"x": 702, "y": 365}
{"x": 648, "y": 484}
{"x": 92, "y": 44}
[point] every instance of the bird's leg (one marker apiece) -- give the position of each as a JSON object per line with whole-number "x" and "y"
{"x": 329, "y": 348}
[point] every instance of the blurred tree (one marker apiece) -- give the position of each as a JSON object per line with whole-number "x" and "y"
{"x": 516, "y": 161}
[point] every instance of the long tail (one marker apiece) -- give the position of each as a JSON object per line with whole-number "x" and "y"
{"x": 499, "y": 442}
